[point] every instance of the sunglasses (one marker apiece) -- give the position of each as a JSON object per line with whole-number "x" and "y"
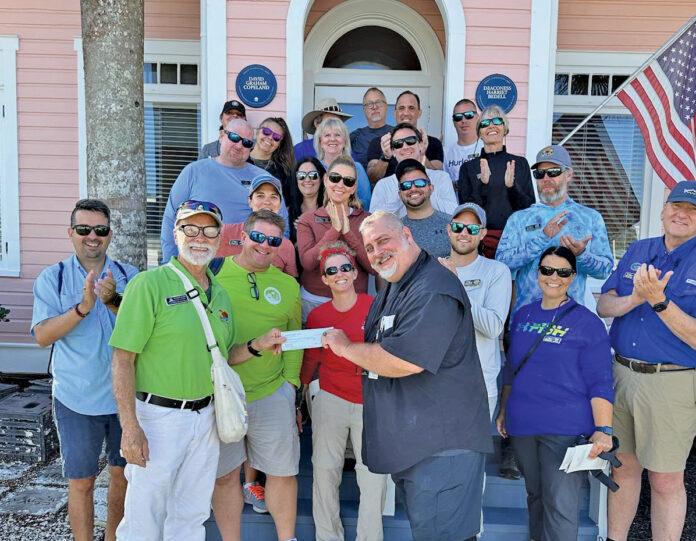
{"x": 84, "y": 230}
{"x": 268, "y": 131}
{"x": 398, "y": 143}
{"x": 254, "y": 289}
{"x": 498, "y": 121}
{"x": 349, "y": 182}
{"x": 406, "y": 185}
{"x": 472, "y": 229}
{"x": 311, "y": 175}
{"x": 346, "y": 267}
{"x": 236, "y": 138}
{"x": 562, "y": 273}
{"x": 209, "y": 231}
{"x": 457, "y": 117}
{"x": 552, "y": 172}
{"x": 259, "y": 237}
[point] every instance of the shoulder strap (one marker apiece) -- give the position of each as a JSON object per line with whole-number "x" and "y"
{"x": 548, "y": 331}
{"x": 192, "y": 293}
{"x": 60, "y": 276}
{"x": 120, "y": 267}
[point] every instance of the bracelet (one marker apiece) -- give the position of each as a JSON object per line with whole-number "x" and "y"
{"x": 609, "y": 431}
{"x": 77, "y": 311}
{"x": 254, "y": 352}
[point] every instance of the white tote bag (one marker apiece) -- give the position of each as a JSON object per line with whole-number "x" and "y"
{"x": 230, "y": 398}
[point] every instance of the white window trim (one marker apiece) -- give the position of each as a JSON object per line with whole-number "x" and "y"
{"x": 9, "y": 152}
{"x": 155, "y": 50}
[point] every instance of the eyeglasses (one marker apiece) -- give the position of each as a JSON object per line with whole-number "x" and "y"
{"x": 472, "y": 229}
{"x": 259, "y": 237}
{"x": 457, "y": 117}
{"x": 209, "y": 231}
{"x": 236, "y": 138}
{"x": 406, "y": 185}
{"x": 311, "y": 175}
{"x": 84, "y": 230}
{"x": 498, "y": 121}
{"x": 268, "y": 131}
{"x": 562, "y": 273}
{"x": 552, "y": 172}
{"x": 410, "y": 141}
{"x": 374, "y": 104}
{"x": 349, "y": 182}
{"x": 254, "y": 289}
{"x": 346, "y": 267}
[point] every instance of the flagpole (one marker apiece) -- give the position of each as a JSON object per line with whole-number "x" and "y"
{"x": 661, "y": 50}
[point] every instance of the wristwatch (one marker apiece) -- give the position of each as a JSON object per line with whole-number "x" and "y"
{"x": 254, "y": 352}
{"x": 660, "y": 306}
{"x": 116, "y": 300}
{"x": 384, "y": 157}
{"x": 605, "y": 430}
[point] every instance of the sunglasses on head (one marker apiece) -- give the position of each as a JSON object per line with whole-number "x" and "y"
{"x": 346, "y": 267}
{"x": 236, "y": 138}
{"x": 406, "y": 185}
{"x": 552, "y": 172}
{"x": 84, "y": 230}
{"x": 268, "y": 131}
{"x": 259, "y": 237}
{"x": 192, "y": 204}
{"x": 498, "y": 121}
{"x": 562, "y": 273}
{"x": 311, "y": 175}
{"x": 191, "y": 230}
{"x": 399, "y": 143}
{"x": 349, "y": 182}
{"x": 472, "y": 229}
{"x": 457, "y": 117}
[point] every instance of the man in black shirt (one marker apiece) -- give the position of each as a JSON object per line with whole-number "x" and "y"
{"x": 425, "y": 413}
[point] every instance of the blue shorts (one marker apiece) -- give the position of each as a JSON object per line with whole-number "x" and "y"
{"x": 442, "y": 495}
{"x": 82, "y": 438}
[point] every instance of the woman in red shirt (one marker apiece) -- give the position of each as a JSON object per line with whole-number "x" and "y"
{"x": 337, "y": 408}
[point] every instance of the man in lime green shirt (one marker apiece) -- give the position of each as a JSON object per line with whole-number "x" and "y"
{"x": 263, "y": 297}
{"x": 161, "y": 358}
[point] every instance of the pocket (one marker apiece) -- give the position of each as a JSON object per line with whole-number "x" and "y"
{"x": 151, "y": 412}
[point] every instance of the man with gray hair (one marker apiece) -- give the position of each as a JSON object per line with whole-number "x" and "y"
{"x": 419, "y": 344}
{"x": 375, "y": 108}
{"x": 225, "y": 180}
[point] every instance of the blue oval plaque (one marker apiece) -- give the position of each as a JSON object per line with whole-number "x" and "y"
{"x": 497, "y": 89}
{"x": 256, "y": 85}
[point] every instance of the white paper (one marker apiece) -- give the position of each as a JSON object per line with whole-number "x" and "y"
{"x": 577, "y": 459}
{"x": 307, "y": 339}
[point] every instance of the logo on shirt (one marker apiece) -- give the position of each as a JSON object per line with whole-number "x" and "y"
{"x": 543, "y": 328}
{"x": 552, "y": 339}
{"x": 224, "y": 316}
{"x": 472, "y": 283}
{"x": 533, "y": 227}
{"x": 272, "y": 295}
{"x": 635, "y": 266}
{"x": 178, "y": 299}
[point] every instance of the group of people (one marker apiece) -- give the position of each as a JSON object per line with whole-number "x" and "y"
{"x": 277, "y": 238}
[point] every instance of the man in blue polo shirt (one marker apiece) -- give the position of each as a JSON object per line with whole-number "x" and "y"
{"x": 652, "y": 296}
{"x": 425, "y": 416}
{"x": 75, "y": 305}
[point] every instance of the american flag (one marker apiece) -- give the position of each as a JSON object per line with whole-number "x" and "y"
{"x": 662, "y": 99}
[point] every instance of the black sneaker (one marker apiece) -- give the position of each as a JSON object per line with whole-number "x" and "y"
{"x": 508, "y": 468}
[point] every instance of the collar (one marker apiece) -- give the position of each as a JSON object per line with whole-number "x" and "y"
{"x": 211, "y": 277}
{"x": 108, "y": 263}
{"x": 413, "y": 269}
{"x": 500, "y": 152}
{"x": 687, "y": 247}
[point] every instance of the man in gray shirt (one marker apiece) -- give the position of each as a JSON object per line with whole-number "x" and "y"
{"x": 428, "y": 226}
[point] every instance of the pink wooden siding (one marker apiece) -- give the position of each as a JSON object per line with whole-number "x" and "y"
{"x": 620, "y": 25}
{"x": 48, "y": 132}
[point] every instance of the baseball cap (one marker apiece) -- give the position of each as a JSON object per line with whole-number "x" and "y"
{"x": 191, "y": 208}
{"x": 684, "y": 191}
{"x": 410, "y": 164}
{"x": 473, "y": 207}
{"x": 265, "y": 178}
{"x": 233, "y": 105}
{"x": 553, "y": 154}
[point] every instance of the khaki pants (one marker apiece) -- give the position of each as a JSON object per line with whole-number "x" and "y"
{"x": 333, "y": 421}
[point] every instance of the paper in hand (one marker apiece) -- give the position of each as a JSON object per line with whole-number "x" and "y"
{"x": 306, "y": 339}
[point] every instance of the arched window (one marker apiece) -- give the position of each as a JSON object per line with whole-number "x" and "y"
{"x": 372, "y": 47}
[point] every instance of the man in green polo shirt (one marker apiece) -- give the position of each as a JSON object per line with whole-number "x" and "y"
{"x": 264, "y": 297}
{"x": 161, "y": 358}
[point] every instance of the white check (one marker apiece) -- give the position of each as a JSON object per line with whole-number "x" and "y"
{"x": 307, "y": 339}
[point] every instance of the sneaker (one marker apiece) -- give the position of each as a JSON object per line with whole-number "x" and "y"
{"x": 255, "y": 495}
{"x": 508, "y": 466}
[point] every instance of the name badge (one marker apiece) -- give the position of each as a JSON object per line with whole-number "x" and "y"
{"x": 235, "y": 242}
{"x": 691, "y": 281}
{"x": 472, "y": 283}
{"x": 552, "y": 339}
{"x": 246, "y": 183}
{"x": 533, "y": 227}
{"x": 372, "y": 375}
{"x": 179, "y": 299}
{"x": 386, "y": 323}
{"x": 322, "y": 220}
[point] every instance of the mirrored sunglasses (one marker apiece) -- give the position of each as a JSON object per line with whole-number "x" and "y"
{"x": 346, "y": 267}
{"x": 497, "y": 121}
{"x": 457, "y": 117}
{"x": 552, "y": 172}
{"x": 236, "y": 138}
{"x": 562, "y": 273}
{"x": 268, "y": 131}
{"x": 472, "y": 229}
{"x": 406, "y": 185}
{"x": 84, "y": 230}
{"x": 192, "y": 204}
{"x": 349, "y": 182}
{"x": 312, "y": 175}
{"x": 399, "y": 143}
{"x": 259, "y": 237}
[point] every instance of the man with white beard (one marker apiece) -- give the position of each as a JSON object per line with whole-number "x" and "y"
{"x": 420, "y": 345}
{"x": 161, "y": 359}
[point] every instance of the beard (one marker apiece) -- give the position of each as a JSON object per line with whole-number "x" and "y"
{"x": 549, "y": 199}
{"x": 193, "y": 257}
